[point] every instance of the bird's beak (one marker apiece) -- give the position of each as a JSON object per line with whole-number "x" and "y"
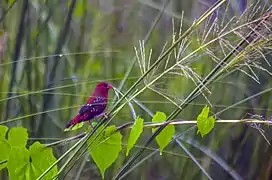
{"x": 109, "y": 86}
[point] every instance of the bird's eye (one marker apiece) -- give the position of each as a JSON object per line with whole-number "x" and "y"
{"x": 105, "y": 85}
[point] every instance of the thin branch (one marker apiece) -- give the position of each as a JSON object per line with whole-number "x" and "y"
{"x": 154, "y": 125}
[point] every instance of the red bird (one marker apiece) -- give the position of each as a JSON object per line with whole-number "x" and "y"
{"x": 95, "y": 105}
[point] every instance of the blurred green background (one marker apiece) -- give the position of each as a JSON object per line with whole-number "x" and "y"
{"x": 54, "y": 52}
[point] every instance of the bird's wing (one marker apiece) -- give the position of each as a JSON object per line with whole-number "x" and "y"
{"x": 95, "y": 107}
{"x": 85, "y": 108}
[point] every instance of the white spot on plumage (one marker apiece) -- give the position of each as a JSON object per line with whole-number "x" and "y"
{"x": 95, "y": 108}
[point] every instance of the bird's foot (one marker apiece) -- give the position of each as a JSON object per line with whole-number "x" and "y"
{"x": 105, "y": 115}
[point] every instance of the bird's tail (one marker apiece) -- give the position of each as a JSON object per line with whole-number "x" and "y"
{"x": 73, "y": 122}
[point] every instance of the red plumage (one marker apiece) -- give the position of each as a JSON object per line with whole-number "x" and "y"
{"x": 95, "y": 105}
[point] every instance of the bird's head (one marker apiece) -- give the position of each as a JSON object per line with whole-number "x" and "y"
{"x": 102, "y": 89}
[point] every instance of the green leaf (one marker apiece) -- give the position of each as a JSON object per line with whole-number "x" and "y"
{"x": 159, "y": 117}
{"x": 75, "y": 127}
{"x": 23, "y": 163}
{"x": 94, "y": 123}
{"x": 18, "y": 136}
{"x": 3, "y": 132}
{"x": 5, "y": 148}
{"x": 4, "y": 154}
{"x": 135, "y": 133}
{"x": 106, "y": 148}
{"x": 18, "y": 163}
{"x": 30, "y": 164}
{"x": 42, "y": 158}
{"x": 166, "y": 134}
{"x": 204, "y": 123}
